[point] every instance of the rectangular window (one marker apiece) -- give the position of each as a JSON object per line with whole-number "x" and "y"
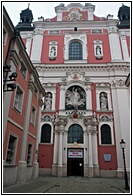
{"x": 29, "y": 155}
{"x": 10, "y": 157}
{"x": 33, "y": 115}
{"x": 23, "y": 70}
{"x": 4, "y": 36}
{"x": 18, "y": 99}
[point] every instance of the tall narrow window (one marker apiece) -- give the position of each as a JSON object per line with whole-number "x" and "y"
{"x": 29, "y": 155}
{"x": 75, "y": 51}
{"x": 75, "y": 134}
{"x": 18, "y": 99}
{"x": 46, "y": 134}
{"x": 10, "y": 157}
{"x": 33, "y": 115}
{"x": 23, "y": 70}
{"x": 106, "y": 134}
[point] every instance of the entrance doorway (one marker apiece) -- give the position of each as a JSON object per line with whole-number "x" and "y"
{"x": 75, "y": 164}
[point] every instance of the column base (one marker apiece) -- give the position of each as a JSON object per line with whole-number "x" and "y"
{"x": 22, "y": 172}
{"x": 60, "y": 167}
{"x": 90, "y": 171}
{"x": 96, "y": 170}
{"x": 54, "y": 170}
{"x": 35, "y": 170}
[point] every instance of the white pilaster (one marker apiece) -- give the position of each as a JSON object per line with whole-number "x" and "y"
{"x": 55, "y": 156}
{"x": 37, "y": 46}
{"x": 59, "y": 15}
{"x": 62, "y": 98}
{"x": 88, "y": 99}
{"x": 60, "y": 150}
{"x": 124, "y": 47}
{"x": 28, "y": 43}
{"x": 90, "y": 150}
{"x": 114, "y": 44}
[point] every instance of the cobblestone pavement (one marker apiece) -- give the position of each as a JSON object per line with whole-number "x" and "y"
{"x": 70, "y": 185}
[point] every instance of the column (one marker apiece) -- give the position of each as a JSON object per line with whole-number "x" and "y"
{"x": 62, "y": 97}
{"x": 28, "y": 43}
{"x": 95, "y": 153}
{"x": 37, "y": 46}
{"x": 86, "y": 149}
{"x": 114, "y": 44}
{"x": 90, "y": 154}
{"x": 55, "y": 155}
{"x": 88, "y": 98}
{"x": 22, "y": 163}
{"x": 60, "y": 152}
{"x": 124, "y": 47}
{"x": 35, "y": 163}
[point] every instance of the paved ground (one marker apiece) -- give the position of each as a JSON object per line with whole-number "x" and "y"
{"x": 69, "y": 185}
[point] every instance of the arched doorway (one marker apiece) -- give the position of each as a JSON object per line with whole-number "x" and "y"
{"x": 75, "y": 156}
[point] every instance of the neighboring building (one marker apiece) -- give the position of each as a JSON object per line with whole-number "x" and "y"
{"x": 21, "y": 108}
{"x": 127, "y": 82}
{"x": 82, "y": 61}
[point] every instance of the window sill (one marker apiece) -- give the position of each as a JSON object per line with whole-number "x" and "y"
{"x": 19, "y": 112}
{"x": 75, "y": 61}
{"x": 9, "y": 165}
{"x": 107, "y": 145}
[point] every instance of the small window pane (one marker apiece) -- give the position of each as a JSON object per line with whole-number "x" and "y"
{"x": 46, "y": 134}
{"x": 106, "y": 134}
{"x": 75, "y": 134}
{"x": 75, "y": 51}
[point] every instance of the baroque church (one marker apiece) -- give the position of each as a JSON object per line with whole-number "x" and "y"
{"x": 82, "y": 61}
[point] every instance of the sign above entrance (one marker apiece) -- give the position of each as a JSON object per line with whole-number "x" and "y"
{"x": 75, "y": 153}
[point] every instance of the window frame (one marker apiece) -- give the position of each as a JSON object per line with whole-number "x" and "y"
{"x": 71, "y": 47}
{"x": 110, "y": 123}
{"x": 105, "y": 138}
{"x": 23, "y": 69}
{"x": 73, "y": 132}
{"x": 14, "y": 151}
{"x": 33, "y": 115}
{"x": 20, "y": 93}
{"x": 43, "y": 142}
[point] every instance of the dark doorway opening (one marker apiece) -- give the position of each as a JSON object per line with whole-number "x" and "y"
{"x": 75, "y": 167}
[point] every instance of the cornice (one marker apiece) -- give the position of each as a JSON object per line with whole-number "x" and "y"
{"x": 109, "y": 67}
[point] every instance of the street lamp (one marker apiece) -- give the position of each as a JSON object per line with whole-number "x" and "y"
{"x": 123, "y": 145}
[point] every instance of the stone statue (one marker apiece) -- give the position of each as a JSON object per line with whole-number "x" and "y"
{"x": 53, "y": 52}
{"x": 48, "y": 102}
{"x": 98, "y": 50}
{"x": 104, "y": 102}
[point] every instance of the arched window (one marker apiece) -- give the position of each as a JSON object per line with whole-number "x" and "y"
{"x": 75, "y": 51}
{"x": 46, "y": 133}
{"x": 75, "y": 134}
{"x": 106, "y": 134}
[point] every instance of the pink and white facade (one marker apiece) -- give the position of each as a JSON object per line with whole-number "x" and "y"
{"x": 81, "y": 60}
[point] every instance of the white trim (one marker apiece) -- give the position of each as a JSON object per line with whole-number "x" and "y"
{"x": 111, "y": 129}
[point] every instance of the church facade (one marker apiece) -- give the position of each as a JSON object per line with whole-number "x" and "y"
{"x": 82, "y": 61}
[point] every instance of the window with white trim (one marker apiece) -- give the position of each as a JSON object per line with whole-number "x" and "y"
{"x": 23, "y": 69}
{"x": 98, "y": 50}
{"x": 33, "y": 115}
{"x": 11, "y": 150}
{"x": 46, "y": 133}
{"x": 53, "y": 50}
{"x": 106, "y": 134}
{"x": 18, "y": 99}
{"x": 75, "y": 51}
{"x": 29, "y": 154}
{"x": 4, "y": 36}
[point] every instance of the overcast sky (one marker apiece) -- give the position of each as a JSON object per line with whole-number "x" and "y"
{"x": 47, "y": 9}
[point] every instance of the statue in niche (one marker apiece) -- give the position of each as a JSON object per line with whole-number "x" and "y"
{"x": 48, "y": 101}
{"x": 75, "y": 98}
{"x": 53, "y": 52}
{"x": 98, "y": 51}
{"x": 103, "y": 101}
